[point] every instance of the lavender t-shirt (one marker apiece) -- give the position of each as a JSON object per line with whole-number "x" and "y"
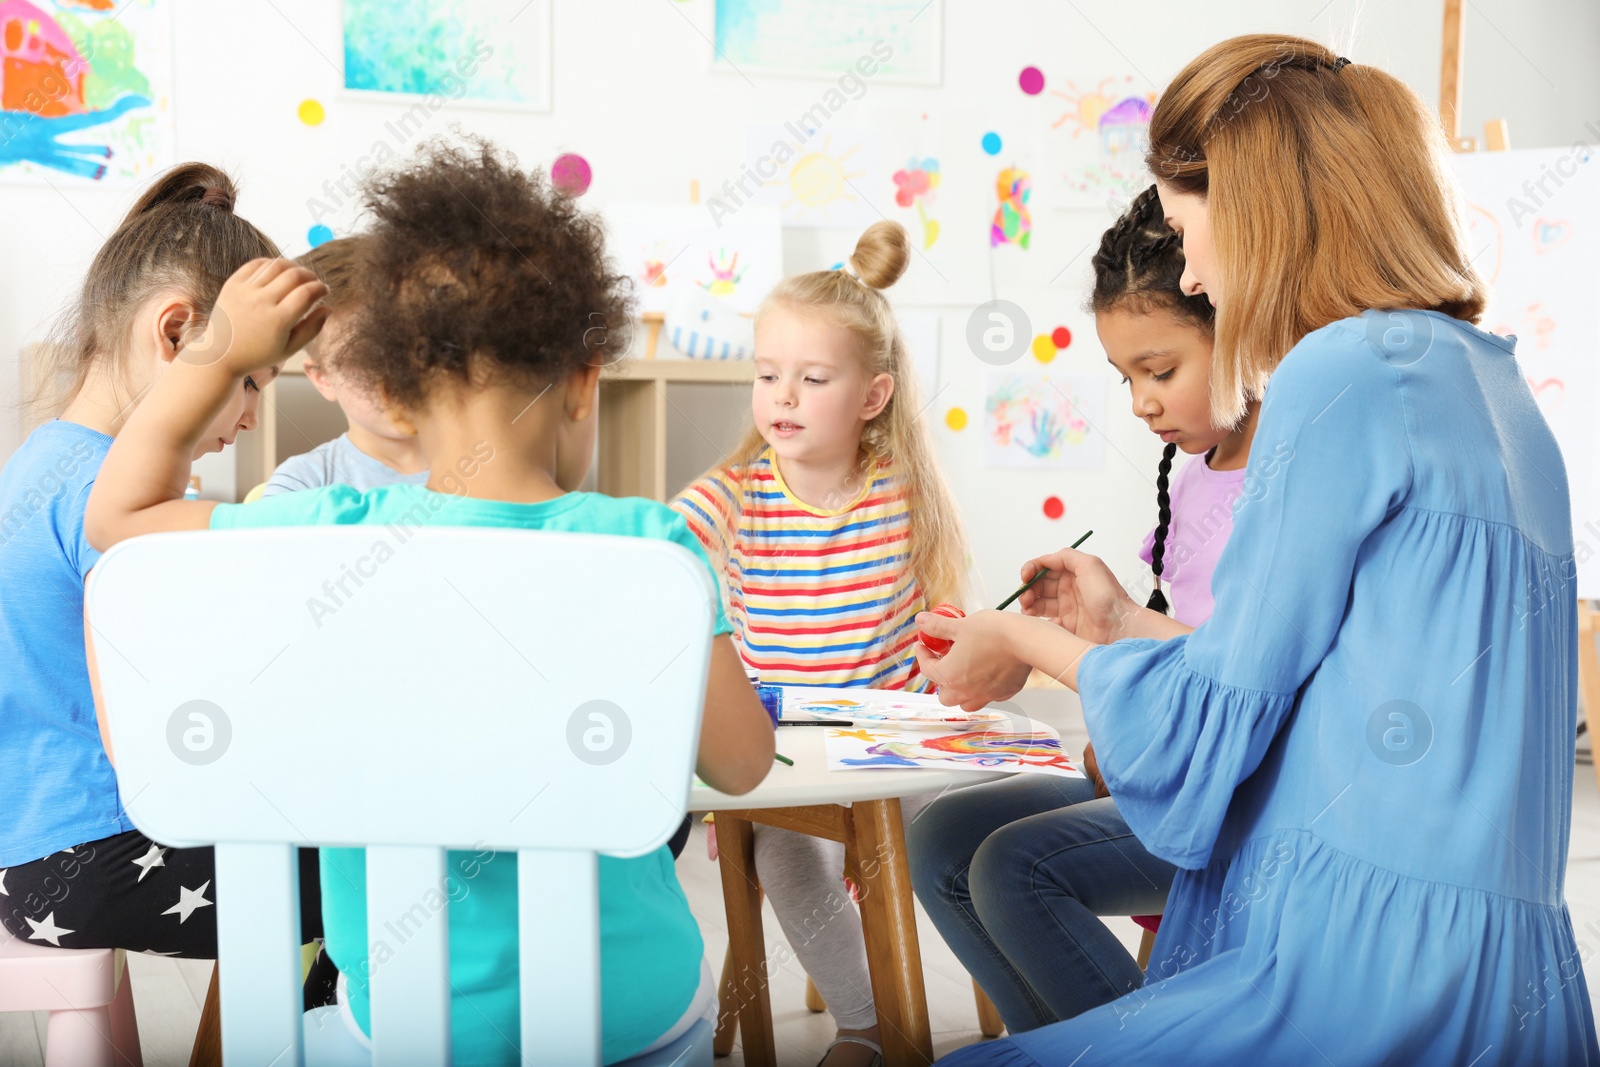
{"x": 1202, "y": 519}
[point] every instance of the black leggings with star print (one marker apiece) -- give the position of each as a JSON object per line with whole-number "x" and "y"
{"x": 127, "y": 892}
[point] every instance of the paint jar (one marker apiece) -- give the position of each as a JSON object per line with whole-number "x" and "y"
{"x": 771, "y": 695}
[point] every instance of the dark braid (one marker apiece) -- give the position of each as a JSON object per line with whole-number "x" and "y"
{"x": 1158, "y": 551}
{"x": 1138, "y": 268}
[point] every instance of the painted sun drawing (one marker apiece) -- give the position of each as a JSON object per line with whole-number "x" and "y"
{"x": 819, "y": 179}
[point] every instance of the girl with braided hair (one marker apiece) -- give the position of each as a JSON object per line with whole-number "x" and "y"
{"x": 1016, "y": 873}
{"x": 1160, "y": 341}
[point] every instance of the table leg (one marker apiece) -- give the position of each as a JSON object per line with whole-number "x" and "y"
{"x": 727, "y": 1017}
{"x": 207, "y": 1050}
{"x": 741, "y": 893}
{"x": 889, "y": 920}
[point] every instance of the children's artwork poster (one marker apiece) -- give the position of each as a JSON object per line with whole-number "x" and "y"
{"x": 1013, "y": 218}
{"x": 862, "y": 747}
{"x": 86, "y": 91}
{"x": 872, "y": 736}
{"x": 1042, "y": 419}
{"x": 850, "y": 42}
{"x": 487, "y": 53}
{"x": 932, "y": 183}
{"x": 1096, "y": 135}
{"x": 1533, "y": 227}
{"x": 1023, "y": 248}
{"x": 816, "y": 176}
{"x": 667, "y": 249}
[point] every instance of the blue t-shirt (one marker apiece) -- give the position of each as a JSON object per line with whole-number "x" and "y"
{"x": 336, "y": 462}
{"x": 57, "y": 788}
{"x": 650, "y": 947}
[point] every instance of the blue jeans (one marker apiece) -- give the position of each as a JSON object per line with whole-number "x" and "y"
{"x": 1013, "y": 874}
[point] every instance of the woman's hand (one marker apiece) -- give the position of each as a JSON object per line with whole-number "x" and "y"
{"x": 981, "y": 666}
{"x": 1080, "y": 593}
{"x": 265, "y": 313}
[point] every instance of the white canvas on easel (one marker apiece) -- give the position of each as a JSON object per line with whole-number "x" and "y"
{"x": 1534, "y": 227}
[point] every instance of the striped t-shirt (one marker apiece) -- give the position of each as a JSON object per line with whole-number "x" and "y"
{"x": 815, "y": 596}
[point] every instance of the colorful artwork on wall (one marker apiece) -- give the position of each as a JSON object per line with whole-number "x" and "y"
{"x": 85, "y": 92}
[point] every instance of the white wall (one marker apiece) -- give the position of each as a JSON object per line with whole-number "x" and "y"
{"x": 633, "y": 92}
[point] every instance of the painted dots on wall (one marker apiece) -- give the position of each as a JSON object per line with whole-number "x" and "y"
{"x": 570, "y": 174}
{"x": 1053, "y": 507}
{"x": 1031, "y": 80}
{"x": 311, "y": 112}
{"x": 956, "y": 419}
{"x": 319, "y": 235}
{"x": 991, "y": 143}
{"x": 1046, "y": 345}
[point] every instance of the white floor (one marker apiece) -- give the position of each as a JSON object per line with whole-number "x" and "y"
{"x": 168, "y": 993}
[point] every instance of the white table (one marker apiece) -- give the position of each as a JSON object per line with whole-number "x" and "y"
{"x": 860, "y": 809}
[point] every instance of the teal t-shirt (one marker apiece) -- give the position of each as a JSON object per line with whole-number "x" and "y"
{"x": 650, "y": 948}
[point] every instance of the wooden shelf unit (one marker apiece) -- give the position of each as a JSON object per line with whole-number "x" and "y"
{"x": 634, "y": 406}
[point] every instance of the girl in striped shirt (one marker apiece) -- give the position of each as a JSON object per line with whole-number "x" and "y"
{"x": 832, "y": 527}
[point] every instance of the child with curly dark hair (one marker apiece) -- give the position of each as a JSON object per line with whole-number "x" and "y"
{"x": 488, "y": 310}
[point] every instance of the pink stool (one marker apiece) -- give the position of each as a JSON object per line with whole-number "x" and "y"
{"x": 91, "y": 1010}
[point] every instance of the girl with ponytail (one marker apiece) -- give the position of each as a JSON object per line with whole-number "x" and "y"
{"x": 74, "y": 873}
{"x": 833, "y": 528}
{"x": 1016, "y": 873}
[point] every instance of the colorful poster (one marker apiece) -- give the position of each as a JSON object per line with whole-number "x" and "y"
{"x": 1044, "y": 420}
{"x": 1096, "y": 137}
{"x": 932, "y": 184}
{"x": 1533, "y": 227}
{"x": 828, "y": 38}
{"x": 668, "y": 249}
{"x": 85, "y": 92}
{"x": 489, "y": 53}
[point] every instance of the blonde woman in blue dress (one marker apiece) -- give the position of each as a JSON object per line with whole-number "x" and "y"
{"x": 1362, "y": 763}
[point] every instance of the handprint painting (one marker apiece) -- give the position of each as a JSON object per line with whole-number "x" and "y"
{"x": 1043, "y": 419}
{"x": 85, "y": 90}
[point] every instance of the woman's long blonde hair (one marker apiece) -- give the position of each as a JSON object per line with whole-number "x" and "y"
{"x": 1328, "y": 195}
{"x": 851, "y": 298}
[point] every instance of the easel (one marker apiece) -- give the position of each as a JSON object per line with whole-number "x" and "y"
{"x": 1496, "y": 135}
{"x": 1497, "y": 138}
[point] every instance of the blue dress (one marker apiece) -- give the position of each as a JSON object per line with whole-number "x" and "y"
{"x": 1363, "y": 762}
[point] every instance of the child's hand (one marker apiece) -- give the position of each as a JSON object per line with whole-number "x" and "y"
{"x": 1080, "y": 593}
{"x": 263, "y": 315}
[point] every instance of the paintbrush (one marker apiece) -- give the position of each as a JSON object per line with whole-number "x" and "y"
{"x": 1006, "y": 603}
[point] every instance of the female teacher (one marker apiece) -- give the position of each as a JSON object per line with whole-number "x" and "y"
{"x": 1362, "y": 764}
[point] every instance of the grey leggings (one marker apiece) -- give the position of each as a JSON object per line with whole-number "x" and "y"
{"x": 804, "y": 878}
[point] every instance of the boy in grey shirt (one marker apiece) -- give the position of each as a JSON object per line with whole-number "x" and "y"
{"x": 373, "y": 452}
